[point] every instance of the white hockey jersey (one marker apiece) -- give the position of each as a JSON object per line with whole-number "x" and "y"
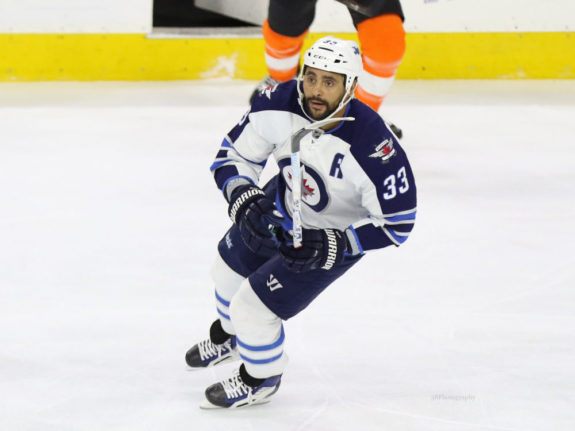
{"x": 356, "y": 176}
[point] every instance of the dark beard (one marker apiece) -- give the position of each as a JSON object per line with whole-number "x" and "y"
{"x": 329, "y": 109}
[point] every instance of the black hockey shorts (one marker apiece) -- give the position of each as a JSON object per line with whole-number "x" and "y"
{"x": 284, "y": 292}
{"x": 293, "y": 17}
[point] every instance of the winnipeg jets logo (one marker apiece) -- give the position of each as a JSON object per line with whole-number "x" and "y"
{"x": 313, "y": 191}
{"x": 269, "y": 90}
{"x": 307, "y": 189}
{"x": 384, "y": 151}
{"x": 273, "y": 283}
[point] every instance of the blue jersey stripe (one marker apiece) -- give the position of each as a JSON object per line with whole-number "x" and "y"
{"x": 399, "y": 238}
{"x": 357, "y": 241}
{"x": 402, "y": 217}
{"x": 219, "y": 164}
{"x": 262, "y": 164}
{"x": 222, "y": 174}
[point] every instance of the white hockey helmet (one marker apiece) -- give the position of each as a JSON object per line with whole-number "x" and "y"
{"x": 334, "y": 55}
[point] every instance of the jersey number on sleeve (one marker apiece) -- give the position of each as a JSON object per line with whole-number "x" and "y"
{"x": 390, "y": 184}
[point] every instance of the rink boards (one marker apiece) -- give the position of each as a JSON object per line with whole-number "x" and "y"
{"x": 137, "y": 57}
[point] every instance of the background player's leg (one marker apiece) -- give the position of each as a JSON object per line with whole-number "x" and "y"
{"x": 284, "y": 31}
{"x": 282, "y": 53}
{"x": 382, "y": 40}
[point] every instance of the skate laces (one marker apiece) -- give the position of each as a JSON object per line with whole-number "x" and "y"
{"x": 235, "y": 387}
{"x": 208, "y": 349}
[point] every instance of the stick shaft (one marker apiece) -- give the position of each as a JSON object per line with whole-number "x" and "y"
{"x": 297, "y": 172}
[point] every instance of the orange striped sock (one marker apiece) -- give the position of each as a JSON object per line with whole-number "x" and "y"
{"x": 382, "y": 40}
{"x": 282, "y": 53}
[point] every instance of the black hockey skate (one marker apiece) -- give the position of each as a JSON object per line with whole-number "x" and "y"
{"x": 207, "y": 354}
{"x": 220, "y": 347}
{"x": 235, "y": 392}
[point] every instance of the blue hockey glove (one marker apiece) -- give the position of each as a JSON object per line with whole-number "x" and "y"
{"x": 257, "y": 219}
{"x": 321, "y": 248}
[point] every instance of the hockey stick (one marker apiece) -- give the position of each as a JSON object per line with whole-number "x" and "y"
{"x": 297, "y": 171}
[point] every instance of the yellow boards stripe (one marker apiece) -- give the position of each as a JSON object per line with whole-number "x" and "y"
{"x": 87, "y": 57}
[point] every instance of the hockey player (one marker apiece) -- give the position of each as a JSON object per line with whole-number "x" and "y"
{"x": 379, "y": 25}
{"x": 358, "y": 194}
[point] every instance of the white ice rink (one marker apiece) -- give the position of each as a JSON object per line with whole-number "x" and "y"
{"x": 109, "y": 219}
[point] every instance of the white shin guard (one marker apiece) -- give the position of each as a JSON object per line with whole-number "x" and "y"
{"x": 259, "y": 332}
{"x": 227, "y": 282}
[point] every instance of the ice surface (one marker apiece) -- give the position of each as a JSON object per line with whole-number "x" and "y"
{"x": 108, "y": 224}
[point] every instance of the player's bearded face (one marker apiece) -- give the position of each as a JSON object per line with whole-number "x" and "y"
{"x": 322, "y": 92}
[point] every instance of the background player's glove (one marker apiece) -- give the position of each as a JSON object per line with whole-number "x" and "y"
{"x": 257, "y": 219}
{"x": 321, "y": 248}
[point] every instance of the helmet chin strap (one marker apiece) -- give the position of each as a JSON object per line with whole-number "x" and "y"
{"x": 344, "y": 100}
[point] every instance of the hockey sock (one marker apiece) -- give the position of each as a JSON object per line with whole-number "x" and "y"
{"x": 217, "y": 333}
{"x": 382, "y": 40}
{"x": 249, "y": 380}
{"x": 282, "y": 53}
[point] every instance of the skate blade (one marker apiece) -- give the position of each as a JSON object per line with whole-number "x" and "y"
{"x": 206, "y": 405}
